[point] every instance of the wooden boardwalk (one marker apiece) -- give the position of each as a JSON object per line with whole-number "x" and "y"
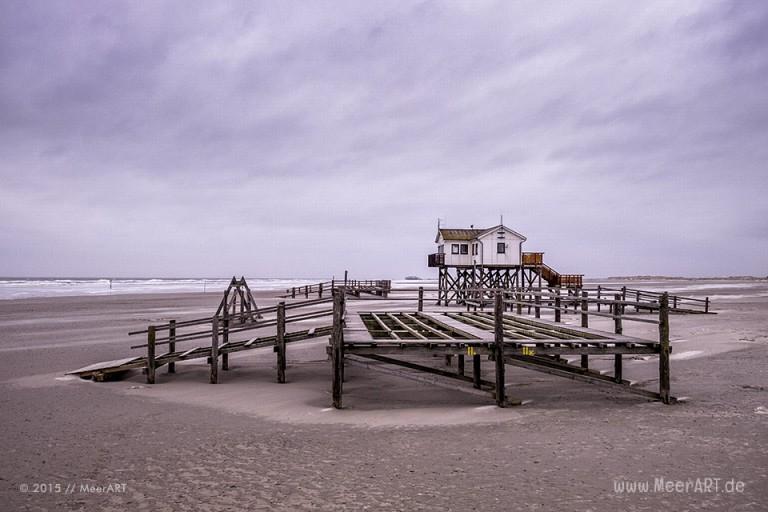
{"x": 395, "y": 335}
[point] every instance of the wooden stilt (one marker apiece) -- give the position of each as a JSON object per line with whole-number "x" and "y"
{"x": 498, "y": 333}
{"x": 225, "y": 340}
{"x": 280, "y": 343}
{"x": 664, "y": 348}
{"x": 336, "y": 342}
{"x": 214, "y": 362}
{"x": 537, "y": 302}
{"x": 618, "y": 329}
{"x": 557, "y": 306}
{"x": 584, "y": 323}
{"x": 599, "y": 293}
{"x": 172, "y": 344}
{"x": 151, "y": 354}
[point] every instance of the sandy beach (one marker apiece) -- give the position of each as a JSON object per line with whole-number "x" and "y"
{"x": 250, "y": 443}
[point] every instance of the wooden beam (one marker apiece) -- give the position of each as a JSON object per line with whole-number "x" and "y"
{"x": 664, "y": 348}
{"x": 280, "y": 343}
{"x": 498, "y": 333}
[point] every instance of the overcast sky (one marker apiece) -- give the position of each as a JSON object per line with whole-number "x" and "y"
{"x": 300, "y": 139}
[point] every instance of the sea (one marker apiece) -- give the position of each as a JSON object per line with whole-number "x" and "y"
{"x": 21, "y": 288}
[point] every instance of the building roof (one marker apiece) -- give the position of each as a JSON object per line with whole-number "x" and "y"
{"x": 471, "y": 234}
{"x": 459, "y": 234}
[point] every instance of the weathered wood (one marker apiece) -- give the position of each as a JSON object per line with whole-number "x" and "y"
{"x": 225, "y": 341}
{"x": 421, "y": 299}
{"x": 537, "y": 307}
{"x": 151, "y": 354}
{"x": 498, "y": 334}
{"x": 172, "y": 344}
{"x": 664, "y": 349}
{"x": 280, "y": 343}
{"x": 557, "y": 306}
{"x": 584, "y": 308}
{"x": 476, "y": 371}
{"x": 336, "y": 343}
{"x": 214, "y": 358}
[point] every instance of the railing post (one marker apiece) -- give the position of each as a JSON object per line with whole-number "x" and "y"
{"x": 584, "y": 323}
{"x": 151, "y": 354}
{"x": 618, "y": 329}
{"x": 421, "y": 299}
{"x": 320, "y": 291}
{"x": 519, "y": 300}
{"x": 599, "y": 294}
{"x": 280, "y": 343}
{"x": 214, "y": 361}
{"x": 637, "y": 302}
{"x": 293, "y": 292}
{"x": 623, "y": 298}
{"x": 557, "y": 305}
{"x": 225, "y": 340}
{"x": 498, "y": 332}
{"x": 306, "y": 291}
{"x": 172, "y": 344}
{"x": 674, "y": 301}
{"x": 664, "y": 348}
{"x": 337, "y": 359}
{"x": 345, "y": 279}
{"x": 706, "y": 304}
{"x": 537, "y": 302}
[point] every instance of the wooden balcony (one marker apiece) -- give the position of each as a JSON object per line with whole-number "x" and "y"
{"x": 533, "y": 258}
{"x": 436, "y": 259}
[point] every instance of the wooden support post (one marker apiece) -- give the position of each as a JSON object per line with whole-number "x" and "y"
{"x": 584, "y": 323}
{"x": 476, "y": 377}
{"x": 498, "y": 335}
{"x": 599, "y": 295}
{"x": 618, "y": 329}
{"x": 151, "y": 354}
{"x": 214, "y": 362}
{"x": 306, "y": 291}
{"x": 519, "y": 298}
{"x": 337, "y": 340}
{"x": 623, "y": 298}
{"x": 421, "y": 299}
{"x": 706, "y": 304}
{"x": 637, "y": 302}
{"x": 460, "y": 365}
{"x": 345, "y": 279}
{"x": 557, "y": 305}
{"x": 293, "y": 292}
{"x": 172, "y": 344}
{"x": 674, "y": 301}
{"x": 280, "y": 343}
{"x": 664, "y": 348}
{"x": 225, "y": 340}
{"x": 537, "y": 302}
{"x": 320, "y": 291}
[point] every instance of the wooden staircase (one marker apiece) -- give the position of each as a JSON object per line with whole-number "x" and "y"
{"x": 535, "y": 260}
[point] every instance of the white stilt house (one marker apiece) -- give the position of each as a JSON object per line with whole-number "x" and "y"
{"x": 489, "y": 258}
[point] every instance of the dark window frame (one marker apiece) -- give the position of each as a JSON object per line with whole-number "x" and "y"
{"x": 464, "y": 248}
{"x": 501, "y": 248}
{"x": 454, "y": 248}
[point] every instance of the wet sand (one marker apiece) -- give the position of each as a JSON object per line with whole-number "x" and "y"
{"x": 249, "y": 443}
